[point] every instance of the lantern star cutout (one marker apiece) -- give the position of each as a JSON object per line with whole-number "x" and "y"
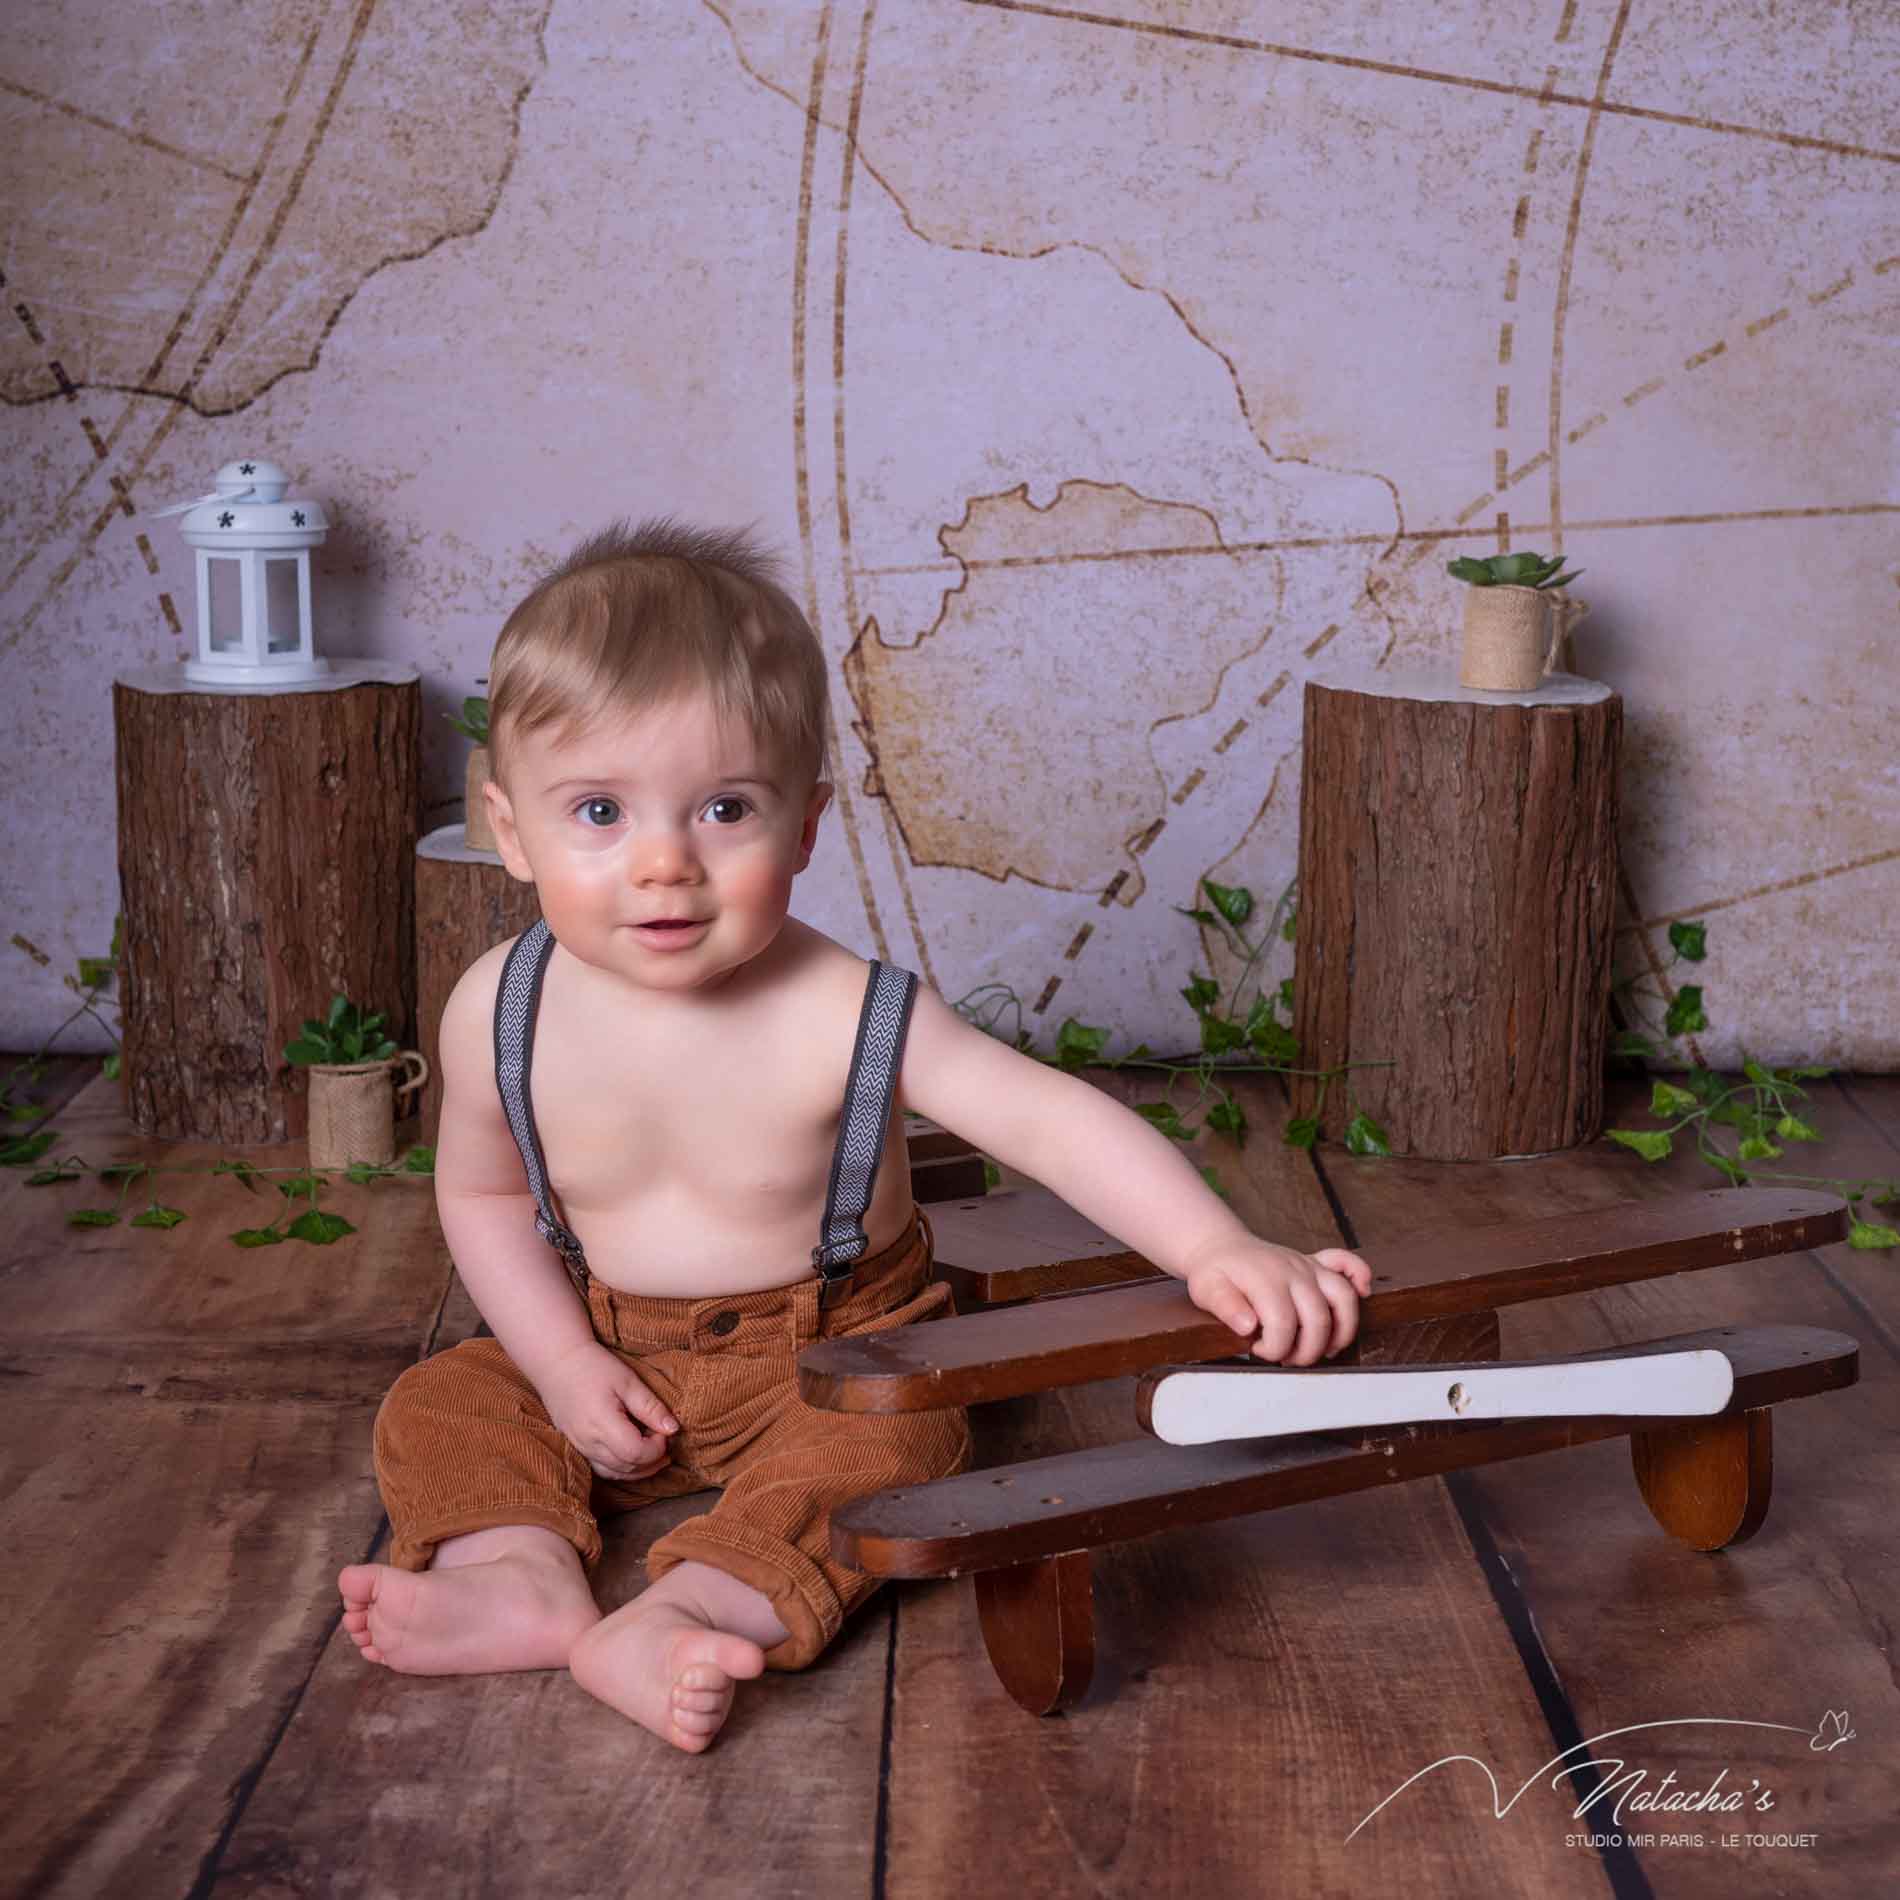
{"x": 247, "y": 468}
{"x": 225, "y": 519}
{"x": 296, "y": 517}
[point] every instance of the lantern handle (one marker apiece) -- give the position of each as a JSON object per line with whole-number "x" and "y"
{"x": 197, "y": 501}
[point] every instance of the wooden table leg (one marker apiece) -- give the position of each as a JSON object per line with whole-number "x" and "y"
{"x": 1707, "y": 1480}
{"x": 1039, "y": 1628}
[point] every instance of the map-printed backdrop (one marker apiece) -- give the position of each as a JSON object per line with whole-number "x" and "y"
{"x": 1101, "y": 371}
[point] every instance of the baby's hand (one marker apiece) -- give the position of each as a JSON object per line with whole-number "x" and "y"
{"x": 600, "y": 1404}
{"x": 1306, "y": 1306}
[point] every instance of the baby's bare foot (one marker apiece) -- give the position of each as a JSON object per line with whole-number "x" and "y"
{"x": 666, "y": 1668}
{"x": 513, "y": 1612}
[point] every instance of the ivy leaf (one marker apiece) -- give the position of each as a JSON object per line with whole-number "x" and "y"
{"x": 1202, "y": 993}
{"x": 992, "y": 1175}
{"x": 1737, "y": 1176}
{"x": 1077, "y": 1043}
{"x": 1218, "y": 1035}
{"x": 1229, "y": 1117}
{"x": 16, "y": 1154}
{"x": 1688, "y": 941}
{"x": 1666, "y": 1099}
{"x": 1277, "y": 1043}
{"x": 47, "y": 1176}
{"x": 1798, "y": 1075}
{"x": 1871, "y": 1236}
{"x": 1705, "y": 1085}
{"x": 1302, "y": 1131}
{"x": 92, "y": 1217}
{"x": 1213, "y": 1180}
{"x": 1765, "y": 1078}
{"x": 1287, "y": 930}
{"x": 23, "y": 1111}
{"x": 1231, "y": 900}
{"x": 1286, "y": 994}
{"x": 1164, "y": 1116}
{"x": 1758, "y": 1148}
{"x": 1627, "y": 1042}
{"x": 1364, "y": 1136}
{"x": 319, "y": 1228}
{"x": 1259, "y": 1016}
{"x": 1793, "y": 1128}
{"x": 1685, "y": 1013}
{"x": 112, "y": 1064}
{"x": 157, "y": 1216}
{"x": 245, "y": 1173}
{"x": 126, "y": 1171}
{"x": 361, "y": 1172}
{"x": 301, "y": 1184}
{"x": 95, "y": 972}
{"x": 1200, "y": 916}
{"x": 419, "y": 1160}
{"x": 257, "y": 1236}
{"x": 1651, "y": 1144}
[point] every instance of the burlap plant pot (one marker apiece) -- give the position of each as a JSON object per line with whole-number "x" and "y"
{"x": 353, "y": 1109}
{"x": 479, "y": 836}
{"x": 1512, "y": 636}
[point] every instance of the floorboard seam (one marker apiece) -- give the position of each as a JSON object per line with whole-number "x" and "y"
{"x": 880, "y": 1848}
{"x": 247, "y": 1783}
{"x": 1620, "y": 1864}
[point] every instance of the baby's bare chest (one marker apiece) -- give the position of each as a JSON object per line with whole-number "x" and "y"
{"x": 742, "y": 1114}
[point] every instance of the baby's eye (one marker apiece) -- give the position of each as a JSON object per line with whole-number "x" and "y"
{"x": 597, "y": 813}
{"x": 735, "y": 805}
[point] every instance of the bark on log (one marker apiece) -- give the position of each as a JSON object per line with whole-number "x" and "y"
{"x": 1456, "y": 901}
{"x": 465, "y": 903}
{"x": 266, "y": 862}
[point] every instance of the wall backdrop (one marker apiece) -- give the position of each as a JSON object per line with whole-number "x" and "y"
{"x": 1102, "y": 373}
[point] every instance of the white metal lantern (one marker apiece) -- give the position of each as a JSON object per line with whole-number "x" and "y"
{"x": 253, "y": 544}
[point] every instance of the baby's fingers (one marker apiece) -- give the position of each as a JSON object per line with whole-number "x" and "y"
{"x": 645, "y": 1407}
{"x": 1338, "y": 1260}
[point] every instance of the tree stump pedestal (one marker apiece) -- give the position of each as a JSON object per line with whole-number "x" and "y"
{"x": 465, "y": 903}
{"x": 1456, "y": 902}
{"x": 266, "y": 845}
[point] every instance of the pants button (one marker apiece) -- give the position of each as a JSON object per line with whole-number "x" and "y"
{"x": 723, "y": 1323}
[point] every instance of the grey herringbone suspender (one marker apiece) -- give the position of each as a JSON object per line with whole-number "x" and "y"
{"x": 867, "y": 1109}
{"x": 515, "y": 1004}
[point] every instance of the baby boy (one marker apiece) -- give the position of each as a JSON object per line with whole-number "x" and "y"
{"x": 653, "y": 1102}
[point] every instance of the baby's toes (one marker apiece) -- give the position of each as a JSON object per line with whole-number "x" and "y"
{"x": 704, "y": 1701}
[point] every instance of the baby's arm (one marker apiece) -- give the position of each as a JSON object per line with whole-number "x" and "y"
{"x": 512, "y": 1274}
{"x": 1126, "y": 1176}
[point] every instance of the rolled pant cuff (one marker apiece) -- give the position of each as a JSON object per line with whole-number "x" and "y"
{"x": 414, "y": 1547}
{"x": 798, "y": 1590}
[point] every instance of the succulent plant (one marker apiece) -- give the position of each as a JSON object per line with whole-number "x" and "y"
{"x": 1511, "y": 570}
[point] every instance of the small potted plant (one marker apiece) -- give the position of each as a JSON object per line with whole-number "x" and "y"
{"x": 1516, "y": 615}
{"x": 473, "y": 724}
{"x": 353, "y": 1090}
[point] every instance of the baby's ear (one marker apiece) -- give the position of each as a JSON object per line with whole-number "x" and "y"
{"x": 814, "y": 810}
{"x": 501, "y": 821}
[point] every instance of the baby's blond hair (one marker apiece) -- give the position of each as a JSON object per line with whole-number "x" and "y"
{"x": 634, "y": 617}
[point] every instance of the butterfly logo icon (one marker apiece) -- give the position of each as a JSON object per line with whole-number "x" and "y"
{"x": 1833, "y": 1731}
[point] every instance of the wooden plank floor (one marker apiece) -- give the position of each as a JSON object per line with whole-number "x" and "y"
{"x": 184, "y": 1464}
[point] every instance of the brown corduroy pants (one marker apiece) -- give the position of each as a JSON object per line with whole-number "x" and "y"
{"x": 464, "y": 1444}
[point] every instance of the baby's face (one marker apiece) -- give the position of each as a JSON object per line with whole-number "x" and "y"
{"x": 663, "y": 816}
